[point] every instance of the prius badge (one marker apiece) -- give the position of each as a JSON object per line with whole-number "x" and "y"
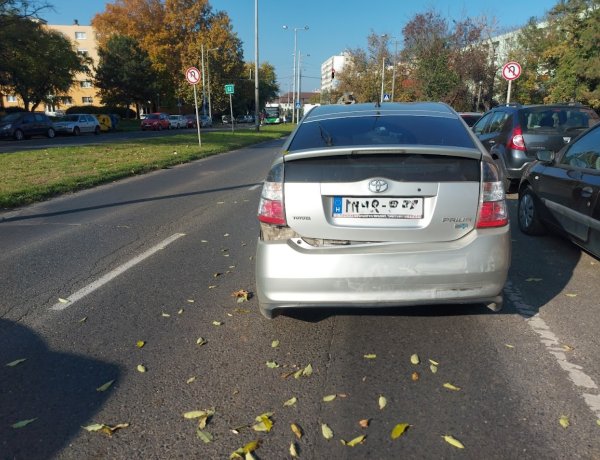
{"x": 378, "y": 185}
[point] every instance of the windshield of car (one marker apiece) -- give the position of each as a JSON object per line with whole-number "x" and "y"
{"x": 382, "y": 130}
{"x": 556, "y": 119}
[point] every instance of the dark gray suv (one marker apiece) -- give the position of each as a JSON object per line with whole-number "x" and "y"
{"x": 514, "y": 133}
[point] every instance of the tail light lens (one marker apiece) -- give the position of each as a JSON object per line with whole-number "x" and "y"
{"x": 516, "y": 141}
{"x": 492, "y": 206}
{"x": 270, "y": 208}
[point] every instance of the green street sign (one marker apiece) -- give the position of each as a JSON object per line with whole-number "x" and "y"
{"x": 229, "y": 89}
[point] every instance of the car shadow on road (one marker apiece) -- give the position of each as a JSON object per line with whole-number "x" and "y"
{"x": 57, "y": 390}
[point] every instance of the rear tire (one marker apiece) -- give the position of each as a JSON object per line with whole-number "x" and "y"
{"x": 76, "y": 131}
{"x": 19, "y": 136}
{"x": 97, "y": 130}
{"x": 528, "y": 213}
{"x": 51, "y": 133}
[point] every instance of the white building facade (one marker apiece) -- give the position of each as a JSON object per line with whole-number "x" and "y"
{"x": 329, "y": 70}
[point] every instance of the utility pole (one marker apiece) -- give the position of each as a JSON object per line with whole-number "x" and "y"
{"x": 256, "y": 106}
{"x": 203, "y": 81}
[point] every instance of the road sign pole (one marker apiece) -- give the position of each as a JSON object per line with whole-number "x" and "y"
{"x": 231, "y": 110}
{"x": 508, "y": 91}
{"x": 197, "y": 118}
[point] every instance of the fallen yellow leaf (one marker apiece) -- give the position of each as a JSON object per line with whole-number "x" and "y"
{"x": 435, "y": 363}
{"x": 201, "y": 341}
{"x": 571, "y": 294}
{"x": 141, "y": 368}
{"x": 358, "y": 440}
{"x": 217, "y": 323}
{"x": 290, "y": 402}
{"x": 382, "y": 402}
{"x": 166, "y": 315}
{"x": 326, "y": 431}
{"x": 293, "y": 451}
{"x": 296, "y": 430}
{"x": 140, "y": 343}
{"x": 415, "y": 376}
{"x": 451, "y": 387}
{"x": 272, "y": 365}
{"x": 453, "y": 441}
{"x": 61, "y": 300}
{"x": 274, "y": 343}
{"x": 329, "y": 398}
{"x": 364, "y": 423}
{"x": 16, "y": 362}
{"x": 370, "y": 356}
{"x": 190, "y": 380}
{"x": 564, "y": 421}
{"x": 433, "y": 368}
{"x": 415, "y": 359}
{"x": 399, "y": 430}
{"x": 23, "y": 423}
{"x": 105, "y": 386}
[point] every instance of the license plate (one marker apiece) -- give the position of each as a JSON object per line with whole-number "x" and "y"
{"x": 378, "y": 208}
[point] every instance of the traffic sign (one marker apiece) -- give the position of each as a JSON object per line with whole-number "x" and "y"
{"x": 511, "y": 70}
{"x": 192, "y": 75}
{"x": 386, "y": 98}
{"x": 298, "y": 105}
{"x": 229, "y": 89}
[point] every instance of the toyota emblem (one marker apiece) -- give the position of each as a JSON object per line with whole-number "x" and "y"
{"x": 378, "y": 185}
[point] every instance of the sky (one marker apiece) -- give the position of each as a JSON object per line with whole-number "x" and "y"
{"x": 334, "y": 25}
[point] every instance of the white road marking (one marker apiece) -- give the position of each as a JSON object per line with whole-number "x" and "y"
{"x": 114, "y": 273}
{"x": 575, "y": 372}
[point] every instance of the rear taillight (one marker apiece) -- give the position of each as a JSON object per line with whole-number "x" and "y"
{"x": 492, "y": 206}
{"x": 516, "y": 141}
{"x": 270, "y": 208}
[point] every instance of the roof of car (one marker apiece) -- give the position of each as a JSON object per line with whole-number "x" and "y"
{"x": 375, "y": 109}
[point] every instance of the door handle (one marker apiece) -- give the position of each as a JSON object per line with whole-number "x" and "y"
{"x": 586, "y": 192}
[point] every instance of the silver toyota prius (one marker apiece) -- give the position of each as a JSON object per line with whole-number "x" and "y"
{"x": 373, "y": 205}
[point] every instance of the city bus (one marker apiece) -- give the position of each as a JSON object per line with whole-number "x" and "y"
{"x": 272, "y": 114}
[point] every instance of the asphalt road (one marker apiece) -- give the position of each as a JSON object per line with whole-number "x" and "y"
{"x": 156, "y": 259}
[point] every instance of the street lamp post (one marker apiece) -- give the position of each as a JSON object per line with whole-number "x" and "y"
{"x": 382, "y": 78}
{"x": 394, "y": 70}
{"x": 296, "y": 29}
{"x": 208, "y": 79}
{"x": 256, "y": 107}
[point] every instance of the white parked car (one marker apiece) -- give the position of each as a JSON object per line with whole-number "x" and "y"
{"x": 177, "y": 122}
{"x": 77, "y": 123}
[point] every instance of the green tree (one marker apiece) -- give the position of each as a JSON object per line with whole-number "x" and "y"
{"x": 39, "y": 64}
{"x": 125, "y": 74}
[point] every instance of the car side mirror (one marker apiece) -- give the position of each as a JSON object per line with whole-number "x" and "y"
{"x": 545, "y": 156}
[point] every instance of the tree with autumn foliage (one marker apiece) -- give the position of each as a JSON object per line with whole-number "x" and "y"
{"x": 175, "y": 34}
{"x": 560, "y": 55}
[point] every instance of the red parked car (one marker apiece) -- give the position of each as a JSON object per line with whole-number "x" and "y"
{"x": 156, "y": 121}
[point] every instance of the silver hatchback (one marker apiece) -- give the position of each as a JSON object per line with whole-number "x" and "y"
{"x": 382, "y": 205}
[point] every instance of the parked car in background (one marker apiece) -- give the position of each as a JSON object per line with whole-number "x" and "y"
{"x": 470, "y": 117}
{"x": 562, "y": 192}
{"x": 374, "y": 205}
{"x": 205, "y": 121}
{"x": 155, "y": 121}
{"x": 514, "y": 133}
{"x": 225, "y": 119}
{"x": 244, "y": 119}
{"x": 190, "y": 119}
{"x": 22, "y": 125}
{"x": 177, "y": 122}
{"x": 77, "y": 123}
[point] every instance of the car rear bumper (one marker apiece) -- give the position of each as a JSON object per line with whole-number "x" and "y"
{"x": 470, "y": 270}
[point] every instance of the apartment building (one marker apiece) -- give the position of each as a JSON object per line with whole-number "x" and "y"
{"x": 82, "y": 92}
{"x": 329, "y": 68}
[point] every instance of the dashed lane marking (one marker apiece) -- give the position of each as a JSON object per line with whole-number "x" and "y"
{"x": 113, "y": 274}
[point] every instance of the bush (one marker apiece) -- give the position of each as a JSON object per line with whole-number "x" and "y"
{"x": 123, "y": 112}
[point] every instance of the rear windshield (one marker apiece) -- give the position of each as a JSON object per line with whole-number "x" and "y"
{"x": 381, "y": 130}
{"x": 556, "y": 119}
{"x": 398, "y": 167}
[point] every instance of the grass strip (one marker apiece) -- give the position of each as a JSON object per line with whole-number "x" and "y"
{"x": 36, "y": 175}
